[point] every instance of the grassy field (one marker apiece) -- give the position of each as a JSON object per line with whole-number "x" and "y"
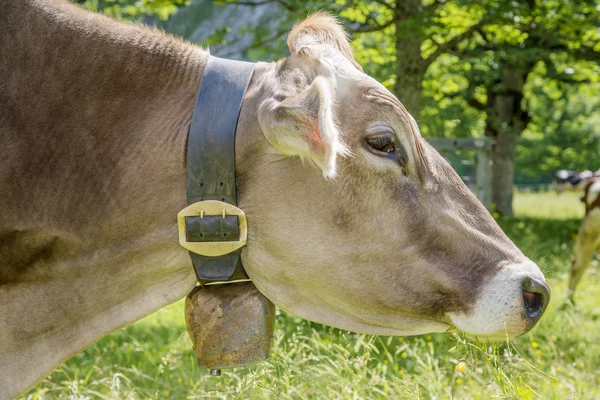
{"x": 559, "y": 359}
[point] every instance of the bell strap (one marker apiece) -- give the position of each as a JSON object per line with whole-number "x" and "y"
{"x": 211, "y": 164}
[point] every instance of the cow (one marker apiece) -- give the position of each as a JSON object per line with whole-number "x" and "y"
{"x": 588, "y": 237}
{"x": 565, "y": 180}
{"x": 353, "y": 219}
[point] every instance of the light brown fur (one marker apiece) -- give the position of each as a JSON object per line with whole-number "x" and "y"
{"x": 94, "y": 116}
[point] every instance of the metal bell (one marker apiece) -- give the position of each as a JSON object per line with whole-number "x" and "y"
{"x": 231, "y": 325}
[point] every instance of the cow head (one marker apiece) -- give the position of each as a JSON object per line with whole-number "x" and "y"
{"x": 354, "y": 220}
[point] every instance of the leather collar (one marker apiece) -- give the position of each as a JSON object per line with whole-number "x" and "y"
{"x": 212, "y": 224}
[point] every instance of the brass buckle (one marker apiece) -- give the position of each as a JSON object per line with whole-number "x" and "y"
{"x": 216, "y": 208}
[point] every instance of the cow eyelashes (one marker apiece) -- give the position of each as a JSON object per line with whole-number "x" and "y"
{"x": 383, "y": 146}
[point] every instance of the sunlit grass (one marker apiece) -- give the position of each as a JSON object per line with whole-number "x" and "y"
{"x": 549, "y": 205}
{"x": 559, "y": 359}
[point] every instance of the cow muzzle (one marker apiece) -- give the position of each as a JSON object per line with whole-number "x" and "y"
{"x": 508, "y": 305}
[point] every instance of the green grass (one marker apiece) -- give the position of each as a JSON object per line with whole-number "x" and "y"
{"x": 559, "y": 359}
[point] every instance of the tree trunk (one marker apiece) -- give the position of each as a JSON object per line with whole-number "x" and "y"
{"x": 410, "y": 66}
{"x": 503, "y": 172}
{"x": 506, "y": 120}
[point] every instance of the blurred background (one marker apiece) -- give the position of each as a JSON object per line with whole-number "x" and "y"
{"x": 524, "y": 73}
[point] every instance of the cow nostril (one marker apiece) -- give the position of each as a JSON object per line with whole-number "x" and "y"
{"x": 533, "y": 303}
{"x": 536, "y": 296}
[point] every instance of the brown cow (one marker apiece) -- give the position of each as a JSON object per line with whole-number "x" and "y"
{"x": 588, "y": 238}
{"x": 94, "y": 118}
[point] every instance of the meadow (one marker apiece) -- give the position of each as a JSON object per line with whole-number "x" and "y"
{"x": 559, "y": 359}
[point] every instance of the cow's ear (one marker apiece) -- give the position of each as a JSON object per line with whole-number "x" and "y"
{"x": 303, "y": 125}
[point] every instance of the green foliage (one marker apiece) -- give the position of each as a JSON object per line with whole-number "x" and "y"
{"x": 564, "y": 132}
{"x": 558, "y": 42}
{"x": 135, "y": 9}
{"x": 446, "y": 88}
{"x": 153, "y": 358}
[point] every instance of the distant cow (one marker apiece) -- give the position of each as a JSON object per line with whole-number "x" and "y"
{"x": 565, "y": 180}
{"x": 588, "y": 239}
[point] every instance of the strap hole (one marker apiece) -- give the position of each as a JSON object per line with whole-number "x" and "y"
{"x": 202, "y": 235}
{"x": 225, "y": 235}
{"x": 221, "y": 184}
{"x": 201, "y": 184}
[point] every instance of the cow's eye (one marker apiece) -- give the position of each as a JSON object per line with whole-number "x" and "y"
{"x": 382, "y": 145}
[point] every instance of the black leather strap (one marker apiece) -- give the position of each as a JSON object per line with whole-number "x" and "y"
{"x": 212, "y": 229}
{"x": 211, "y": 162}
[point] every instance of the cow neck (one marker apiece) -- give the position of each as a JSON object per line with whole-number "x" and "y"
{"x": 210, "y": 168}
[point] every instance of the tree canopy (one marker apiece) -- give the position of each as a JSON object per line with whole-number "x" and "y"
{"x": 135, "y": 9}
